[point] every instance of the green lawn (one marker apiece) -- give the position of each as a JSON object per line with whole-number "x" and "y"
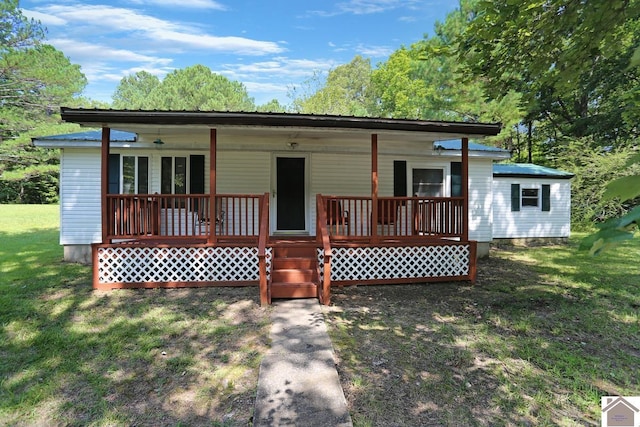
{"x": 73, "y": 356}
{"x": 544, "y": 333}
{"x": 542, "y": 336}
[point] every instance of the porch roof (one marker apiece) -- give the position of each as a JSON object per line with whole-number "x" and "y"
{"x": 135, "y": 119}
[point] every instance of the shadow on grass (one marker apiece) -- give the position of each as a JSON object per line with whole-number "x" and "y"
{"x": 74, "y": 356}
{"x": 535, "y": 342}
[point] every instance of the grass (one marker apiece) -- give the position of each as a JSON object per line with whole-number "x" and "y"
{"x": 73, "y": 356}
{"x": 544, "y": 333}
{"x": 542, "y": 336}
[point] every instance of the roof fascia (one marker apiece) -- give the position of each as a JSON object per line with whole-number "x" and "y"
{"x": 111, "y": 118}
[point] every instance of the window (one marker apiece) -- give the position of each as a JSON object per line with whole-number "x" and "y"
{"x": 428, "y": 182}
{"x": 135, "y": 175}
{"x": 179, "y": 176}
{"x": 456, "y": 179}
{"x": 530, "y": 197}
{"x": 128, "y": 174}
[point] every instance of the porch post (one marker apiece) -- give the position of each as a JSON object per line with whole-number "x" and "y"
{"x": 374, "y": 188}
{"x": 213, "y": 150}
{"x": 104, "y": 181}
{"x": 465, "y": 189}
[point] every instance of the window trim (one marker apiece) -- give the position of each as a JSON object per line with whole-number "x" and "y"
{"x": 530, "y": 197}
{"x": 444, "y": 185}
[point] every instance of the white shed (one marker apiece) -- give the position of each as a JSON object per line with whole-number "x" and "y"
{"x": 531, "y": 202}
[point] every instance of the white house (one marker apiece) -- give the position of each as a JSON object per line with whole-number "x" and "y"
{"x": 179, "y": 198}
{"x": 531, "y": 202}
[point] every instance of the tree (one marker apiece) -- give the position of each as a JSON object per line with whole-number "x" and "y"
{"x": 35, "y": 79}
{"x": 427, "y": 81}
{"x": 272, "y": 106}
{"x": 568, "y": 59}
{"x": 346, "y": 91}
{"x": 191, "y": 88}
{"x": 134, "y": 91}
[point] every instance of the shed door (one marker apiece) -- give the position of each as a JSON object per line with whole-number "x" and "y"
{"x": 290, "y": 194}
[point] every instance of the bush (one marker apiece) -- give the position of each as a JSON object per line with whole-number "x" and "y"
{"x": 35, "y": 187}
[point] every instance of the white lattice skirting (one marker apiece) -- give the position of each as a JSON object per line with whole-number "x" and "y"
{"x": 398, "y": 262}
{"x": 179, "y": 264}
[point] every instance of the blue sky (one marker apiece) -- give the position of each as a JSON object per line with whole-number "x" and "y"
{"x": 270, "y": 46}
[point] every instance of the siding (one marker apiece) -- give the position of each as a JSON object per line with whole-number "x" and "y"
{"x": 531, "y": 222}
{"x": 249, "y": 172}
{"x": 80, "y": 197}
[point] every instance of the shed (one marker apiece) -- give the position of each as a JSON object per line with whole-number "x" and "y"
{"x": 531, "y": 202}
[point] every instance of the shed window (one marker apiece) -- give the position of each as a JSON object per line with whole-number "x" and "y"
{"x": 530, "y": 197}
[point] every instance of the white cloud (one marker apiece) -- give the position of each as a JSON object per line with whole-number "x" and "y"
{"x": 374, "y": 51}
{"x": 44, "y": 18}
{"x": 365, "y": 7}
{"x": 279, "y": 68}
{"x": 110, "y": 20}
{"x": 90, "y": 51}
{"x": 189, "y": 4}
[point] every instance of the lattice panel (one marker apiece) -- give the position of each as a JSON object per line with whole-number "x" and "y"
{"x": 398, "y": 262}
{"x": 179, "y": 264}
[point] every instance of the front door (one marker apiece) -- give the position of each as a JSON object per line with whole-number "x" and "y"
{"x": 290, "y": 178}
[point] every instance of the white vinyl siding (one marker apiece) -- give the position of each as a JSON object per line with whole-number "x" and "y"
{"x": 80, "y": 197}
{"x": 530, "y": 221}
{"x": 480, "y": 200}
{"x": 250, "y": 172}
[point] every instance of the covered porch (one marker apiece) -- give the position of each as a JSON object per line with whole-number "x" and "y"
{"x": 227, "y": 239}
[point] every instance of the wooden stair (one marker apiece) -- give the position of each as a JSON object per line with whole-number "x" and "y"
{"x": 295, "y": 271}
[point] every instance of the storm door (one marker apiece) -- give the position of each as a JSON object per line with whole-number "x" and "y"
{"x": 289, "y": 195}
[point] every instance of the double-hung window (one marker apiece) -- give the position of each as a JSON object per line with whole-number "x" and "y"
{"x": 533, "y": 196}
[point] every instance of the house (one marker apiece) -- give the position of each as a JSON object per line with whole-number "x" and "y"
{"x": 530, "y": 203}
{"x": 292, "y": 203}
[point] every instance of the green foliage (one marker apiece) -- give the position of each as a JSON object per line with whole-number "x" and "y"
{"x": 272, "y": 106}
{"x": 593, "y": 166}
{"x": 134, "y": 91}
{"x": 615, "y": 230}
{"x": 191, "y": 88}
{"x": 345, "y": 92}
{"x": 35, "y": 79}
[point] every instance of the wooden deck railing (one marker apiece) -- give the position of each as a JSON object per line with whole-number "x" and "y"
{"x": 351, "y": 218}
{"x": 180, "y": 216}
{"x": 265, "y": 282}
{"x": 322, "y": 237}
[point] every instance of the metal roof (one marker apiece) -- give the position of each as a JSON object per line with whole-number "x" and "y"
{"x": 91, "y": 135}
{"x": 456, "y": 144}
{"x": 529, "y": 170}
{"x": 108, "y": 117}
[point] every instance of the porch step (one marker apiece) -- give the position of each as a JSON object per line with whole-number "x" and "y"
{"x": 295, "y": 271}
{"x": 294, "y": 290}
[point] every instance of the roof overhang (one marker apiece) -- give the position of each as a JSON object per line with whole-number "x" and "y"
{"x": 154, "y": 120}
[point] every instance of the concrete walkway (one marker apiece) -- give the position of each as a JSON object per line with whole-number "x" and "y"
{"x": 298, "y": 383}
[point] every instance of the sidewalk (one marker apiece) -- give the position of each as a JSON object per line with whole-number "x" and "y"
{"x": 298, "y": 383}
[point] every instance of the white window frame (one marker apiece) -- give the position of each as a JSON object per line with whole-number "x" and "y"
{"x": 523, "y": 197}
{"x": 446, "y": 177}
